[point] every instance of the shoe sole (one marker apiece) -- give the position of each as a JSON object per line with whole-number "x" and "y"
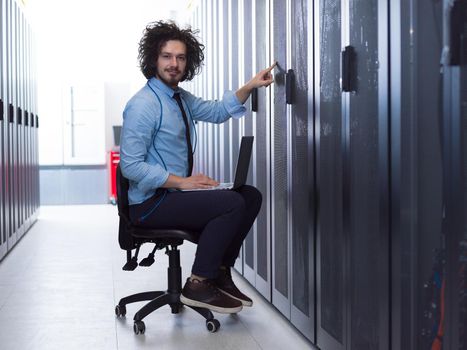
{"x": 244, "y": 302}
{"x": 219, "y": 309}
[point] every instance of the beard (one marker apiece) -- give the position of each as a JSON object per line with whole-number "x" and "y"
{"x": 170, "y": 77}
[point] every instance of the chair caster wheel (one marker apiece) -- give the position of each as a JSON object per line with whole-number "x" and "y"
{"x": 120, "y": 311}
{"x": 139, "y": 327}
{"x": 212, "y": 325}
{"x": 175, "y": 308}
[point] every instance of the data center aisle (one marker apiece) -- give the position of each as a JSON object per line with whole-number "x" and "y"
{"x": 59, "y": 286}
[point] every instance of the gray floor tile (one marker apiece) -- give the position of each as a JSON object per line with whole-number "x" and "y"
{"x": 59, "y": 286}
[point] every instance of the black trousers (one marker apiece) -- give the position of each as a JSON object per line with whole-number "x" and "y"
{"x": 223, "y": 218}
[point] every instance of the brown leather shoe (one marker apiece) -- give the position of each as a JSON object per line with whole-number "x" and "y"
{"x": 226, "y": 285}
{"x": 205, "y": 294}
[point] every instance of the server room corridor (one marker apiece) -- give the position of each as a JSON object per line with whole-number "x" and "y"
{"x": 359, "y": 153}
{"x": 59, "y": 287}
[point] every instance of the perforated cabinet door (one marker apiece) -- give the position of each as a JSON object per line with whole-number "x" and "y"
{"x": 331, "y": 252}
{"x": 366, "y": 177}
{"x": 280, "y": 162}
{"x": 261, "y": 153}
{"x": 248, "y": 44}
{"x": 301, "y": 171}
{"x": 11, "y": 139}
{"x": 226, "y": 127}
{"x": 3, "y": 232}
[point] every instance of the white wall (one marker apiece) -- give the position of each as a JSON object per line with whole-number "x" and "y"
{"x": 79, "y": 41}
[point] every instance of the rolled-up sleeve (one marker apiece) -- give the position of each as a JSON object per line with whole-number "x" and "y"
{"x": 215, "y": 111}
{"x": 139, "y": 125}
{"x": 233, "y": 105}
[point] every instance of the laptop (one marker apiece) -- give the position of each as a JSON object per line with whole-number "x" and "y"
{"x": 241, "y": 172}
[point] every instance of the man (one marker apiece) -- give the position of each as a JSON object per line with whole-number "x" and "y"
{"x": 157, "y": 158}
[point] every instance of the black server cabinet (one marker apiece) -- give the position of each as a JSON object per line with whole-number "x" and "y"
{"x": 203, "y": 126}
{"x": 234, "y": 58}
{"x": 6, "y": 122}
{"x": 352, "y": 167}
{"x": 10, "y": 139}
{"x": 233, "y": 128}
{"x": 215, "y": 84}
{"x": 226, "y": 168}
{"x": 261, "y": 153}
{"x": 197, "y": 90}
{"x": 301, "y": 173}
{"x": 279, "y": 158}
{"x": 455, "y": 173}
{"x": 3, "y": 233}
{"x": 23, "y": 126}
{"x": 3, "y": 237}
{"x": 331, "y": 310}
{"x": 248, "y": 129}
{"x": 14, "y": 124}
{"x": 20, "y": 125}
{"x": 292, "y": 165}
{"x": 209, "y": 67}
{"x": 366, "y": 176}
{"x": 416, "y": 171}
{"x": 27, "y": 108}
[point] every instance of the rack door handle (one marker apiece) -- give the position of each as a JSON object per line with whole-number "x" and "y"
{"x": 348, "y": 69}
{"x": 289, "y": 86}
{"x": 11, "y": 113}
{"x": 19, "y": 116}
{"x": 2, "y": 112}
{"x": 254, "y": 100}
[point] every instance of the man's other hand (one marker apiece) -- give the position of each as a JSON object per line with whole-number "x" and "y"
{"x": 197, "y": 181}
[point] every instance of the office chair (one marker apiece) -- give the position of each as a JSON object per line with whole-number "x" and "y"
{"x": 133, "y": 237}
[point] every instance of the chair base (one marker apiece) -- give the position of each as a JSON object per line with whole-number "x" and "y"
{"x": 157, "y": 300}
{"x": 170, "y": 297}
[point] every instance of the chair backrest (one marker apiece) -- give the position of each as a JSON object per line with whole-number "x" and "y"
{"x": 125, "y": 238}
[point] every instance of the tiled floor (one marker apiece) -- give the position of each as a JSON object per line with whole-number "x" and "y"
{"x": 59, "y": 286}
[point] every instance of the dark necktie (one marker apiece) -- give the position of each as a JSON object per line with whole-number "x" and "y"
{"x": 187, "y": 133}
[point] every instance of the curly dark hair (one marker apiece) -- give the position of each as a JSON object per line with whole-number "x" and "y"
{"x": 154, "y": 38}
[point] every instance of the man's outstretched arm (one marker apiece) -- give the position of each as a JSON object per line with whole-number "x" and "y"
{"x": 263, "y": 78}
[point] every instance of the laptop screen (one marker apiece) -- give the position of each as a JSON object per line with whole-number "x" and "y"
{"x": 243, "y": 163}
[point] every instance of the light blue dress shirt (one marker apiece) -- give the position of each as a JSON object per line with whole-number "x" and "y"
{"x": 153, "y": 143}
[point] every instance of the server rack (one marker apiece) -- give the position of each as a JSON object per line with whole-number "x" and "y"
{"x": 234, "y": 58}
{"x": 301, "y": 175}
{"x": 3, "y": 232}
{"x": 454, "y": 141}
{"x": 19, "y": 199}
{"x": 292, "y": 171}
{"x": 417, "y": 169}
{"x": 227, "y": 50}
{"x": 261, "y": 152}
{"x": 10, "y": 188}
{"x": 249, "y": 46}
{"x": 331, "y": 309}
{"x": 356, "y": 219}
{"x": 215, "y": 84}
{"x": 352, "y": 161}
{"x": 20, "y": 125}
{"x": 279, "y": 159}
{"x": 222, "y": 77}
{"x": 237, "y": 70}
{"x": 209, "y": 62}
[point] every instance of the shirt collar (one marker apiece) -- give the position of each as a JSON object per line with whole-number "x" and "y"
{"x": 154, "y": 82}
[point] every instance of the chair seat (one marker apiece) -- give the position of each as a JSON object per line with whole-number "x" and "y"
{"x": 164, "y": 234}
